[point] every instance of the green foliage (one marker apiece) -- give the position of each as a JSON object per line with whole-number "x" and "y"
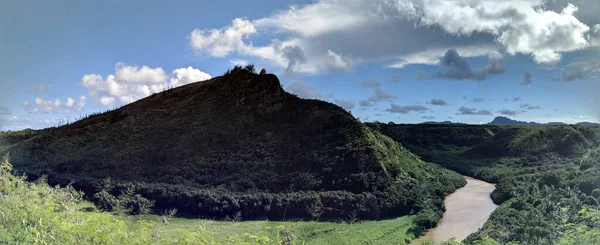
{"x": 426, "y": 219}
{"x": 105, "y": 201}
{"x": 139, "y": 205}
{"x": 35, "y": 213}
{"x": 544, "y": 176}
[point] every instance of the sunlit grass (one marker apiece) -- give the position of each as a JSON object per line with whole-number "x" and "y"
{"x": 393, "y": 231}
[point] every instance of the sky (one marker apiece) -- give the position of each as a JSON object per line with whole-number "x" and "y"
{"x": 405, "y": 61}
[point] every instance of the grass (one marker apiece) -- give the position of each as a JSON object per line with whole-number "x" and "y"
{"x": 393, "y": 231}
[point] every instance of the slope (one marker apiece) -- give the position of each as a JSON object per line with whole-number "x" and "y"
{"x": 237, "y": 145}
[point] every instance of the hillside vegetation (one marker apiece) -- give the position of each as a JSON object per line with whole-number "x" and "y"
{"x": 236, "y": 146}
{"x": 35, "y": 213}
{"x": 548, "y": 178}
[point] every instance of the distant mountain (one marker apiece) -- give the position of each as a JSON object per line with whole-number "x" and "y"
{"x": 444, "y": 122}
{"x": 508, "y": 121}
{"x": 591, "y": 124}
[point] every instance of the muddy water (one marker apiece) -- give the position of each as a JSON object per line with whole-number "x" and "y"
{"x": 467, "y": 209}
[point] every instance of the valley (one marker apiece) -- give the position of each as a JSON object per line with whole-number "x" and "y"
{"x": 242, "y": 160}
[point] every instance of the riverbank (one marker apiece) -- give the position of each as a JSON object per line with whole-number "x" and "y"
{"x": 467, "y": 209}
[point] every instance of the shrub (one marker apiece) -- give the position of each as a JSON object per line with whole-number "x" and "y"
{"x": 105, "y": 201}
{"x": 139, "y": 205}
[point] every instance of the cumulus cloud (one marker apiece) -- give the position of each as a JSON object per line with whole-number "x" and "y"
{"x": 478, "y": 100}
{"x": 337, "y": 62}
{"x": 395, "y": 108}
{"x": 459, "y": 68}
{"x": 529, "y": 107}
{"x": 130, "y": 83}
{"x": 69, "y": 105}
{"x": 437, "y": 102}
{"x": 515, "y": 99}
{"x": 346, "y": 104}
{"x": 305, "y": 90}
{"x": 526, "y": 78}
{"x": 295, "y": 56}
{"x": 370, "y": 83}
{"x": 520, "y": 26}
{"x": 139, "y": 75}
{"x": 187, "y": 75}
{"x": 472, "y": 111}
{"x": 507, "y": 112}
{"x": 221, "y": 42}
{"x": 378, "y": 30}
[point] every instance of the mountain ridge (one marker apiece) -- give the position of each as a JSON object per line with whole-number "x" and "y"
{"x": 507, "y": 121}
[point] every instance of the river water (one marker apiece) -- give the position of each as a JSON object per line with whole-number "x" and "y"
{"x": 467, "y": 209}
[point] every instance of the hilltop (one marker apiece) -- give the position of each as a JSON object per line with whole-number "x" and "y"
{"x": 237, "y": 145}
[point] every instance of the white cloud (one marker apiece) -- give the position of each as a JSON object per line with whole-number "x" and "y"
{"x": 69, "y": 105}
{"x": 131, "y": 83}
{"x": 327, "y": 32}
{"x": 433, "y": 56}
{"x": 521, "y": 26}
{"x": 221, "y": 42}
{"x": 70, "y": 102}
{"x": 238, "y": 62}
{"x": 187, "y": 75}
{"x": 29, "y": 121}
{"x": 337, "y": 62}
{"x": 144, "y": 75}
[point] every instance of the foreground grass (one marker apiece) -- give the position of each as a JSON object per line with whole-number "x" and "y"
{"x": 393, "y": 231}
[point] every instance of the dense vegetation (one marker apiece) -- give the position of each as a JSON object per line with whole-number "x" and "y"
{"x": 236, "y": 146}
{"x": 548, "y": 178}
{"x": 35, "y": 213}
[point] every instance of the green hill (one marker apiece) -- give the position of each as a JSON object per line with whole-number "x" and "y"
{"x": 236, "y": 145}
{"x": 547, "y": 178}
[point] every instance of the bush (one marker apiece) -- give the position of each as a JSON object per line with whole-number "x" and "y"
{"x": 105, "y": 201}
{"x": 139, "y": 205}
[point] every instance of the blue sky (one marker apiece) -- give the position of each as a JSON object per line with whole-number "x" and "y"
{"x": 406, "y": 61}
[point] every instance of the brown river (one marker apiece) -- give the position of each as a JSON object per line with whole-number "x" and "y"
{"x": 467, "y": 209}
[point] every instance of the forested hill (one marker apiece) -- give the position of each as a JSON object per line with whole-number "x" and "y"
{"x": 548, "y": 178}
{"x": 237, "y": 144}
